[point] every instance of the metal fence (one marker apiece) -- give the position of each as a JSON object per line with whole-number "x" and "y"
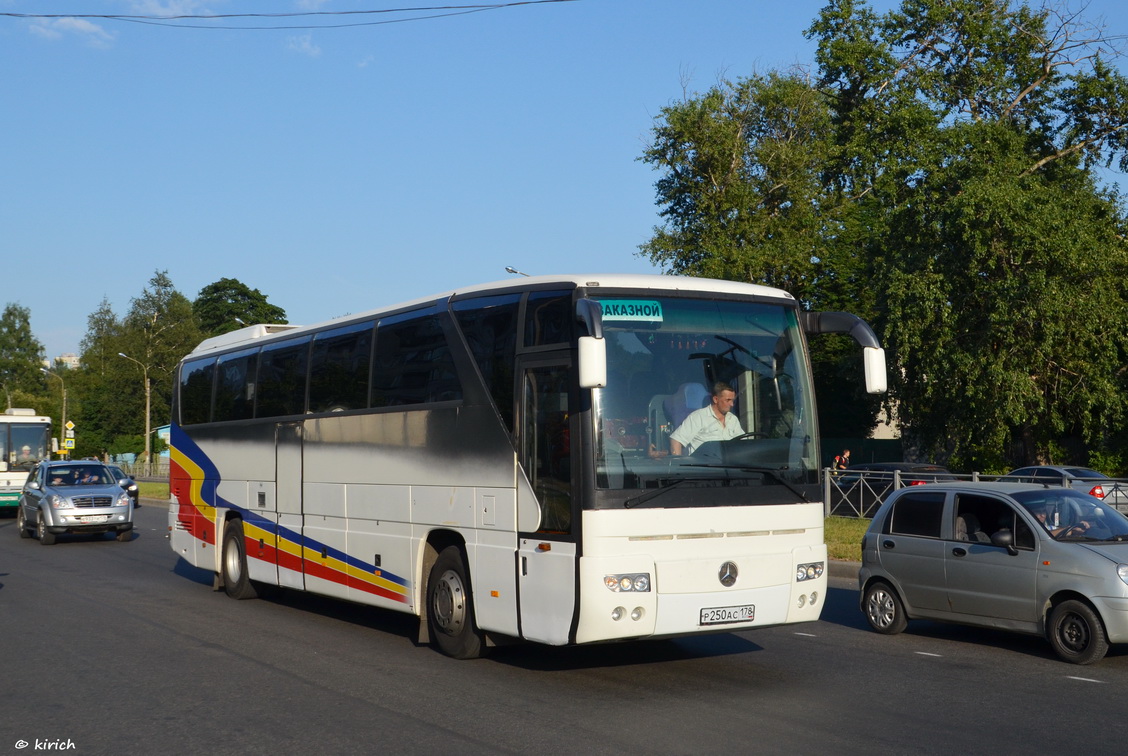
{"x": 859, "y": 493}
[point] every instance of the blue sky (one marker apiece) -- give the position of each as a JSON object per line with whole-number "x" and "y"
{"x": 338, "y": 170}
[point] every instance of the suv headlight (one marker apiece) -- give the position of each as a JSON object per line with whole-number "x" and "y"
{"x": 1122, "y": 571}
{"x": 809, "y": 571}
{"x": 124, "y": 500}
{"x": 59, "y": 502}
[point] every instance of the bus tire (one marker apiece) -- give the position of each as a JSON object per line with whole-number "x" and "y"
{"x": 450, "y": 607}
{"x": 233, "y": 562}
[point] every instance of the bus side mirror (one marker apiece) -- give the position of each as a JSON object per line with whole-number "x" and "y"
{"x": 876, "y": 379}
{"x": 593, "y": 362}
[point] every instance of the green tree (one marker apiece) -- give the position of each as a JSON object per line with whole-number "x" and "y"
{"x": 157, "y": 332}
{"x": 221, "y": 305}
{"x": 967, "y": 130}
{"x": 940, "y": 186}
{"x": 21, "y": 354}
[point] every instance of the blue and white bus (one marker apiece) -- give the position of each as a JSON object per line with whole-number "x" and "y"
{"x": 496, "y": 460}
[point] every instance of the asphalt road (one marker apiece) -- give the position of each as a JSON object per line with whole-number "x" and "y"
{"x": 118, "y": 648}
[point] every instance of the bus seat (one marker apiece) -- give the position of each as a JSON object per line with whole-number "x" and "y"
{"x": 688, "y": 398}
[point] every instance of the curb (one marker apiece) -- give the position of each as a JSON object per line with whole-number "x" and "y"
{"x": 840, "y": 569}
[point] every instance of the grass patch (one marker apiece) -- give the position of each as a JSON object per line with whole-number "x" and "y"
{"x": 152, "y": 490}
{"x": 844, "y": 537}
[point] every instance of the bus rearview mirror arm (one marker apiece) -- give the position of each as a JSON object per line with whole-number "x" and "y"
{"x": 873, "y": 356}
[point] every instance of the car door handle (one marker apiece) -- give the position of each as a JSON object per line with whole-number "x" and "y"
{"x": 888, "y": 543}
{"x": 959, "y": 551}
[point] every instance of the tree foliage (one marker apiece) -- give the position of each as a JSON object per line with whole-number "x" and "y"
{"x": 941, "y": 185}
{"x": 21, "y": 354}
{"x": 221, "y": 306}
{"x": 159, "y": 329}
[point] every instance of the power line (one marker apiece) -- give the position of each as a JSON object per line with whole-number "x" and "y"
{"x": 436, "y": 11}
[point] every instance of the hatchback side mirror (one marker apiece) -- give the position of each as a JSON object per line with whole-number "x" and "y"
{"x": 1004, "y": 538}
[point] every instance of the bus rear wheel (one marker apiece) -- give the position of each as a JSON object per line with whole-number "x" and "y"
{"x": 236, "y": 582}
{"x": 450, "y": 607}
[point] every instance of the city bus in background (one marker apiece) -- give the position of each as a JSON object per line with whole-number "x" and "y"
{"x": 496, "y": 460}
{"x": 25, "y": 438}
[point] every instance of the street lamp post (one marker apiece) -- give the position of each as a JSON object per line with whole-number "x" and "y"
{"x": 63, "y": 421}
{"x": 148, "y": 470}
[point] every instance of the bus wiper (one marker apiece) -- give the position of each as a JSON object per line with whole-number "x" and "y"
{"x": 771, "y": 471}
{"x": 634, "y": 501}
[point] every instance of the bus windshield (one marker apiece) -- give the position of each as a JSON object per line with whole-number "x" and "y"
{"x": 666, "y": 356}
{"x": 24, "y": 444}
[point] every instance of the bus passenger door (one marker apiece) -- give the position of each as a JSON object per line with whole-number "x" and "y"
{"x": 288, "y": 493}
{"x": 547, "y": 558}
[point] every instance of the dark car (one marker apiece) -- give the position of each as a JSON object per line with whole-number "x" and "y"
{"x": 127, "y": 482}
{"x": 73, "y": 497}
{"x": 860, "y": 488}
{"x": 911, "y": 473}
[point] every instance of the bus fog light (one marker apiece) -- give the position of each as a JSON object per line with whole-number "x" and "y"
{"x": 617, "y": 613}
{"x": 814, "y": 597}
{"x": 802, "y": 600}
{"x": 638, "y": 613}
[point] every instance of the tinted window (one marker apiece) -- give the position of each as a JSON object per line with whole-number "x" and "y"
{"x": 338, "y": 368}
{"x": 489, "y": 325}
{"x": 413, "y": 363}
{"x": 235, "y": 386}
{"x": 196, "y": 391}
{"x": 918, "y": 514}
{"x": 282, "y": 379}
{"x": 548, "y": 318}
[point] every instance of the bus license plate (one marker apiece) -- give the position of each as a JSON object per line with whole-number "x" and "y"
{"x": 95, "y": 518}
{"x": 721, "y": 615}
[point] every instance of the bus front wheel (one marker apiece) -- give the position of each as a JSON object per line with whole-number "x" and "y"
{"x": 236, "y": 583}
{"x": 450, "y": 608}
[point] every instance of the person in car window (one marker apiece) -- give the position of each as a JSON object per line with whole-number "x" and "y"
{"x": 1044, "y": 514}
{"x": 712, "y": 423}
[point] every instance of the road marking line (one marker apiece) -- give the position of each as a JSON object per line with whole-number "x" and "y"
{"x": 925, "y": 653}
{"x": 1084, "y": 679}
{"x": 807, "y": 635}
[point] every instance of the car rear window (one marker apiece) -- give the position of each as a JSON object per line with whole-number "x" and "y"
{"x": 917, "y": 514}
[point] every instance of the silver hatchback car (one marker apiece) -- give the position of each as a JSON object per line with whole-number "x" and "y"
{"x": 73, "y": 497}
{"x": 1014, "y": 556}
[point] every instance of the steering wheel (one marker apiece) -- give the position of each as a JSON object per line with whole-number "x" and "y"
{"x": 751, "y": 434}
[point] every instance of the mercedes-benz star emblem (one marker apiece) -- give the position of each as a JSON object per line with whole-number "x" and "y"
{"x": 728, "y": 574}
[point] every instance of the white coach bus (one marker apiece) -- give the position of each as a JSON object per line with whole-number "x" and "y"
{"x": 25, "y": 439}
{"x": 497, "y": 460}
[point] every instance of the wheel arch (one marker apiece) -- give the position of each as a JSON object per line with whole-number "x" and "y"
{"x": 1069, "y": 595}
{"x": 431, "y": 547}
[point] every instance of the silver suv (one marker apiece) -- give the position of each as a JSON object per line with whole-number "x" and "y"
{"x": 1015, "y": 556}
{"x": 73, "y": 497}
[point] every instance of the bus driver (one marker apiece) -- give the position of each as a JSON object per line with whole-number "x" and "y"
{"x": 714, "y": 422}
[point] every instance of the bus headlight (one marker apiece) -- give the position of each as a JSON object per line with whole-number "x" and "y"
{"x": 809, "y": 571}
{"x": 628, "y": 583}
